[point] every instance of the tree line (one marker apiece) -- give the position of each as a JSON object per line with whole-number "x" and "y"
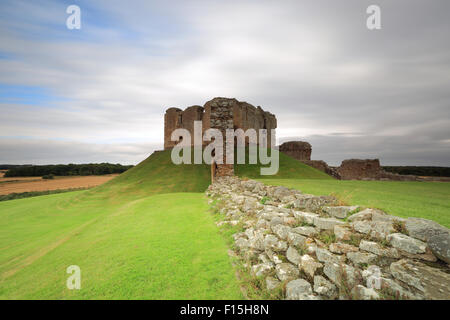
{"x": 66, "y": 170}
{"x": 419, "y": 171}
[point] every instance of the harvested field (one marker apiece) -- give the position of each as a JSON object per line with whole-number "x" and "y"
{"x": 28, "y": 184}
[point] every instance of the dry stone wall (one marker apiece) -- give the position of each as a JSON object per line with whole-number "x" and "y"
{"x": 311, "y": 248}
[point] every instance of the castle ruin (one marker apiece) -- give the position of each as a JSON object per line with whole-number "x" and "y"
{"x": 222, "y": 114}
{"x": 225, "y": 113}
{"x": 350, "y": 169}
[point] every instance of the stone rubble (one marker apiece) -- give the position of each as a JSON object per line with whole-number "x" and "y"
{"x": 312, "y": 249}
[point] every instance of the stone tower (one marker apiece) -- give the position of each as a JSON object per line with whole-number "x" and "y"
{"x": 219, "y": 113}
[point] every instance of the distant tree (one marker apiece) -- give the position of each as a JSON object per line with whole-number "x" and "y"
{"x": 419, "y": 171}
{"x": 66, "y": 170}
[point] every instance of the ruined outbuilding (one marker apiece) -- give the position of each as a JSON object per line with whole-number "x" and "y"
{"x": 355, "y": 169}
{"x": 350, "y": 169}
{"x": 299, "y": 150}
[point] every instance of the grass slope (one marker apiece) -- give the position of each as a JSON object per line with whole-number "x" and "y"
{"x": 289, "y": 168}
{"x": 135, "y": 237}
{"x": 429, "y": 200}
{"x": 157, "y": 174}
{"x": 159, "y": 247}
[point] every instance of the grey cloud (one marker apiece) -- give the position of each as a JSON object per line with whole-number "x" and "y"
{"x": 36, "y": 151}
{"x": 350, "y": 91}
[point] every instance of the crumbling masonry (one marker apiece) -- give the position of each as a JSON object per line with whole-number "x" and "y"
{"x": 218, "y": 113}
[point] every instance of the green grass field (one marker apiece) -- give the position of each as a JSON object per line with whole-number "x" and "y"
{"x": 147, "y": 234}
{"x": 429, "y": 200}
{"x": 159, "y": 247}
{"x": 136, "y": 237}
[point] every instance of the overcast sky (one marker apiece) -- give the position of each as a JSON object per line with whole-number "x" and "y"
{"x": 99, "y": 94}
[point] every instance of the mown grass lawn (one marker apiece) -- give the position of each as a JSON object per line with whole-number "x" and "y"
{"x": 163, "y": 246}
{"x": 429, "y": 200}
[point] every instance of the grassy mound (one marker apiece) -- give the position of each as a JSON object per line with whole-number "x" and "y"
{"x": 157, "y": 174}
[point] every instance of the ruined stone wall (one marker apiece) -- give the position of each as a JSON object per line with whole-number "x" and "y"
{"x": 221, "y": 118}
{"x": 322, "y": 166}
{"x": 245, "y": 116}
{"x": 299, "y": 150}
{"x": 357, "y": 169}
{"x": 307, "y": 247}
{"x": 351, "y": 169}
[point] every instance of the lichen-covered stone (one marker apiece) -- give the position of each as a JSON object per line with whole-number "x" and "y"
{"x": 273, "y": 243}
{"x": 432, "y": 282}
{"x": 342, "y": 233}
{"x": 423, "y": 229}
{"x": 281, "y": 231}
{"x": 306, "y": 217}
{"x": 364, "y": 215}
{"x": 309, "y": 265}
{"x": 323, "y": 255}
{"x": 299, "y": 289}
{"x": 379, "y": 250}
{"x": 440, "y": 246}
{"x": 341, "y": 274}
{"x": 296, "y": 240}
{"x": 405, "y": 243}
{"x": 375, "y": 229}
{"x": 280, "y": 192}
{"x": 324, "y": 287}
{"x": 341, "y": 248}
{"x": 293, "y": 256}
{"x": 273, "y": 256}
{"x": 313, "y": 203}
{"x": 286, "y": 271}
{"x": 358, "y": 258}
{"x": 339, "y": 212}
{"x": 262, "y": 269}
{"x": 306, "y": 231}
{"x": 326, "y": 223}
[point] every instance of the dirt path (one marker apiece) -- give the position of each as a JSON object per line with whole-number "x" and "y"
{"x": 27, "y": 184}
